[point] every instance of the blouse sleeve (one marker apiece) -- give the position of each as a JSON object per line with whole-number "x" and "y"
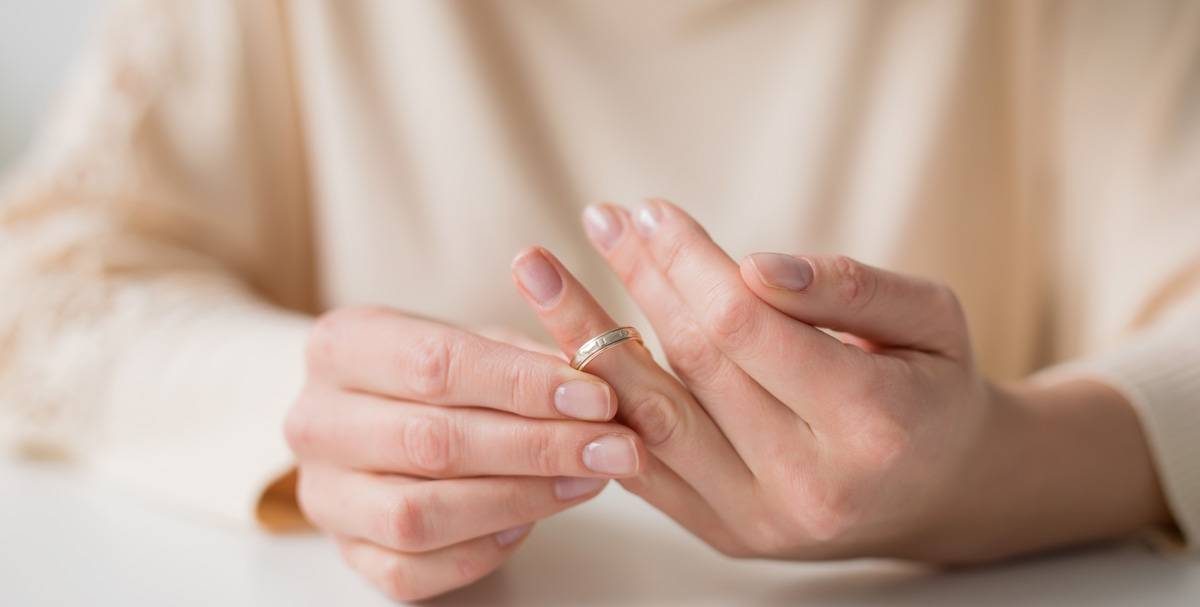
{"x": 155, "y": 259}
{"x": 1127, "y": 226}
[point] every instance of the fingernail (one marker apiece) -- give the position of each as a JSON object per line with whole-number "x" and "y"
{"x": 646, "y": 218}
{"x": 783, "y": 271}
{"x": 538, "y": 277}
{"x": 601, "y": 225}
{"x": 583, "y": 399}
{"x": 613, "y": 454}
{"x": 570, "y": 487}
{"x": 509, "y": 536}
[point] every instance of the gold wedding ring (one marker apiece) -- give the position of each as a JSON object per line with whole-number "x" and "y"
{"x": 594, "y": 346}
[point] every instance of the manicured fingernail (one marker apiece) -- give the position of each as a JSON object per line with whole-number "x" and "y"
{"x": 646, "y": 218}
{"x": 538, "y": 277}
{"x": 783, "y": 271}
{"x": 613, "y": 454}
{"x": 509, "y": 536}
{"x": 583, "y": 399}
{"x": 570, "y": 487}
{"x": 602, "y": 225}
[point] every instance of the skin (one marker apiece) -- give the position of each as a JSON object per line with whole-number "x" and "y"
{"x": 876, "y": 436}
{"x": 427, "y": 451}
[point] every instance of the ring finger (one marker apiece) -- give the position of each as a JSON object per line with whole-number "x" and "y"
{"x": 745, "y": 412}
{"x": 675, "y": 428}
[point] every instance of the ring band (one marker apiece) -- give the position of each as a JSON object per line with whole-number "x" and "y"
{"x": 594, "y": 346}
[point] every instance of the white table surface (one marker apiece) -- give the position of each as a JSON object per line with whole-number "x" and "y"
{"x": 69, "y": 540}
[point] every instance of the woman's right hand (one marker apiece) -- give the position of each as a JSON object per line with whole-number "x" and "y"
{"x": 428, "y": 451}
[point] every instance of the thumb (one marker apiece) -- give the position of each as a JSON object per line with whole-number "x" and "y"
{"x": 836, "y": 292}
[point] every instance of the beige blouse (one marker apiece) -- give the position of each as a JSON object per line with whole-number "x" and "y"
{"x": 218, "y": 171}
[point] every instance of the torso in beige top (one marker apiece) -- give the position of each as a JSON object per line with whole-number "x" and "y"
{"x": 1043, "y": 159}
{"x": 917, "y": 136}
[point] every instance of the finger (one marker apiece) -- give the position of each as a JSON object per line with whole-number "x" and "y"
{"x": 516, "y": 338}
{"x": 382, "y": 351}
{"x": 410, "y": 515}
{"x": 412, "y": 577}
{"x": 744, "y": 411}
{"x": 650, "y": 401}
{"x": 368, "y": 432}
{"x": 843, "y": 294}
{"x": 786, "y": 357}
{"x": 670, "y": 494}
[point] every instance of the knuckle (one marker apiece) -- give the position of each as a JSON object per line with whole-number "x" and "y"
{"x": 430, "y": 443}
{"x": 405, "y": 524}
{"x": 855, "y": 283}
{"x": 330, "y": 330}
{"x": 880, "y": 424}
{"x": 323, "y": 338}
{"x": 822, "y": 512}
{"x": 471, "y": 567}
{"x": 395, "y": 580}
{"x": 654, "y": 416}
{"x": 829, "y": 525}
{"x": 691, "y": 355}
{"x": 730, "y": 314}
{"x": 633, "y": 271}
{"x": 882, "y": 443}
{"x": 300, "y": 430}
{"x": 543, "y": 452}
{"x": 828, "y": 516}
{"x": 524, "y": 384}
{"x": 672, "y": 251}
{"x": 881, "y": 434}
{"x": 427, "y": 361}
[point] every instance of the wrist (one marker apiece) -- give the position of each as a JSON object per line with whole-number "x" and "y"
{"x": 1053, "y": 465}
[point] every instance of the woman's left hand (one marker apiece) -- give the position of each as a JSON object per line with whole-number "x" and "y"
{"x": 882, "y": 439}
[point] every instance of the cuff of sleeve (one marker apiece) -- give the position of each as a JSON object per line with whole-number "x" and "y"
{"x": 1159, "y": 373}
{"x": 200, "y": 426}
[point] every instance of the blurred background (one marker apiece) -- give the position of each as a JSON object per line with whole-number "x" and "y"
{"x": 38, "y": 41}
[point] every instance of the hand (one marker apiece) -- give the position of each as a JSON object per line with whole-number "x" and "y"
{"x": 428, "y": 451}
{"x": 883, "y": 439}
